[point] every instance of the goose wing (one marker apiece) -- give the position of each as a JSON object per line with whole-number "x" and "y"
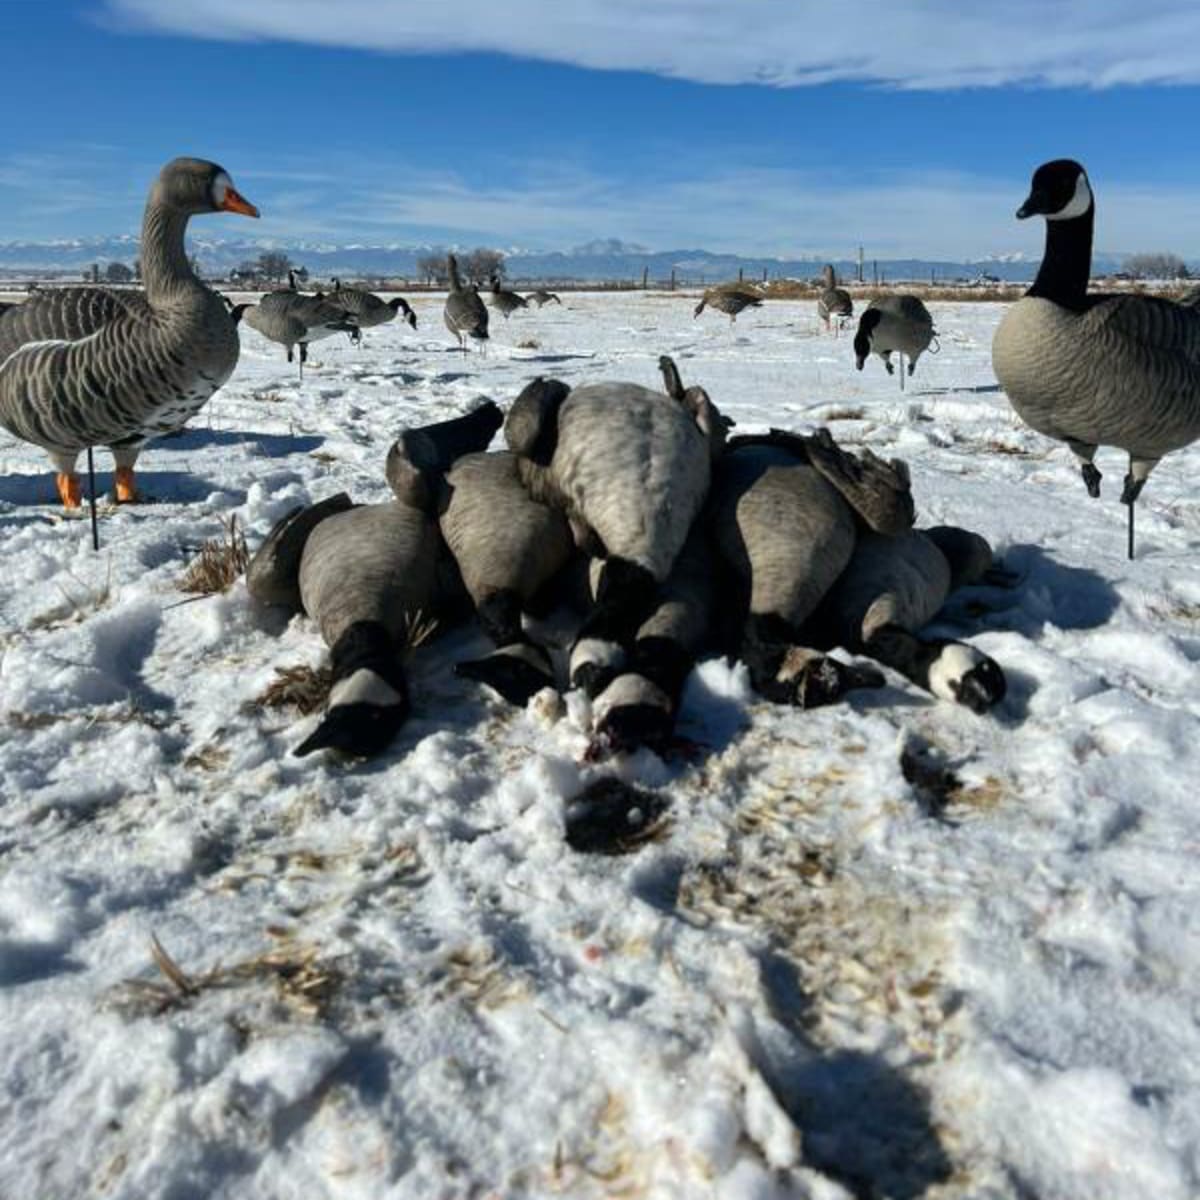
{"x": 1145, "y": 329}
{"x": 67, "y": 315}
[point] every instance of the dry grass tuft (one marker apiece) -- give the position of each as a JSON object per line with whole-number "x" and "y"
{"x": 302, "y": 687}
{"x": 79, "y": 601}
{"x": 418, "y": 629}
{"x": 219, "y": 563}
{"x": 529, "y": 344}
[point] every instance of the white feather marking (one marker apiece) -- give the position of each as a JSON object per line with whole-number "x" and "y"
{"x": 594, "y": 650}
{"x": 1078, "y": 204}
{"x": 947, "y": 670}
{"x": 364, "y": 687}
{"x": 626, "y": 691}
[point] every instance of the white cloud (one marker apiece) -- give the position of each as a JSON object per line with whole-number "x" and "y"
{"x": 781, "y": 43}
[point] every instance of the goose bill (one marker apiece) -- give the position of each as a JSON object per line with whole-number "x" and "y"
{"x": 235, "y": 202}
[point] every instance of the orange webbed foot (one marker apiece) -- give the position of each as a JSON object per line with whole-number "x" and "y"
{"x": 126, "y": 489}
{"x": 70, "y": 490}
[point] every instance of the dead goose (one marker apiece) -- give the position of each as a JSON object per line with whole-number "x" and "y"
{"x": 730, "y": 300}
{"x": 292, "y": 320}
{"x": 465, "y": 314}
{"x": 785, "y": 512}
{"x": 834, "y": 302}
{"x": 1097, "y": 370}
{"x": 892, "y": 588}
{"x": 367, "y": 309}
{"x": 898, "y": 323}
{"x": 503, "y": 300}
{"x": 631, "y": 469}
{"x": 365, "y": 574}
{"x": 83, "y": 367}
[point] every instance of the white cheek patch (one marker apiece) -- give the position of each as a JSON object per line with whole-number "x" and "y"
{"x": 1077, "y": 205}
{"x": 220, "y": 188}
{"x": 364, "y": 687}
{"x": 949, "y": 668}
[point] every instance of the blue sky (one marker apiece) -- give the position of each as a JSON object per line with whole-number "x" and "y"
{"x": 786, "y": 127}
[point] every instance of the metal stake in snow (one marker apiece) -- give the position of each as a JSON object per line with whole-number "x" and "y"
{"x": 92, "y": 500}
{"x": 900, "y": 356}
{"x": 1131, "y": 531}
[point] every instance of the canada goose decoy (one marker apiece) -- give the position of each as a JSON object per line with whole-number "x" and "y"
{"x": 541, "y": 296}
{"x": 292, "y": 320}
{"x": 894, "y": 323}
{"x": 83, "y": 367}
{"x": 892, "y": 588}
{"x": 366, "y": 574}
{"x": 730, "y": 300}
{"x": 465, "y": 314}
{"x": 1101, "y": 370}
{"x": 503, "y": 300}
{"x": 834, "y": 303}
{"x": 367, "y": 309}
{"x": 630, "y": 468}
{"x": 785, "y": 513}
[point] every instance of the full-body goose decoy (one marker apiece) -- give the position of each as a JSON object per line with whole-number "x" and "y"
{"x": 82, "y": 367}
{"x": 541, "y": 296}
{"x": 631, "y": 468}
{"x": 834, "y": 303}
{"x": 503, "y": 300}
{"x": 292, "y": 320}
{"x": 785, "y": 514}
{"x": 465, "y": 314}
{"x": 1096, "y": 370}
{"x": 892, "y": 588}
{"x": 365, "y": 574}
{"x": 894, "y": 323}
{"x": 367, "y": 309}
{"x": 730, "y": 300}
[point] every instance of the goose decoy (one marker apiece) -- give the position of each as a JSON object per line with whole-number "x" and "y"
{"x": 834, "y": 303}
{"x": 368, "y": 310}
{"x": 365, "y": 574}
{"x": 541, "y": 296}
{"x": 731, "y": 300}
{"x": 83, "y": 367}
{"x": 292, "y": 320}
{"x": 894, "y": 323}
{"x": 503, "y": 300}
{"x": 1100, "y": 370}
{"x": 465, "y": 314}
{"x": 631, "y": 469}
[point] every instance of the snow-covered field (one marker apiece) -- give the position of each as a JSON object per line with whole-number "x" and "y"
{"x": 886, "y": 948}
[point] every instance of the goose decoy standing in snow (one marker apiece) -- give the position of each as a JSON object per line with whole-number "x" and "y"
{"x": 465, "y": 314}
{"x": 1101, "y": 370}
{"x": 83, "y": 367}
{"x": 541, "y": 296}
{"x": 367, "y": 309}
{"x": 894, "y": 323}
{"x": 730, "y": 300}
{"x": 292, "y": 320}
{"x": 503, "y": 300}
{"x": 834, "y": 303}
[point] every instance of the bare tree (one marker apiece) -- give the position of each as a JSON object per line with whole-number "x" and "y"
{"x": 274, "y": 264}
{"x": 117, "y": 272}
{"x": 481, "y": 264}
{"x": 432, "y": 267}
{"x": 1159, "y": 265}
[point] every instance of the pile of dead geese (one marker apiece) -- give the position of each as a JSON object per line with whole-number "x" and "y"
{"x": 669, "y": 538}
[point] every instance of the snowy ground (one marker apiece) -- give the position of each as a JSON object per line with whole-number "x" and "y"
{"x": 886, "y": 948}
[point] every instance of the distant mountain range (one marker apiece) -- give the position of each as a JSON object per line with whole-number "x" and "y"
{"x": 597, "y": 261}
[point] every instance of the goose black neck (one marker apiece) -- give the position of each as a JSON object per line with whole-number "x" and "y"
{"x": 1067, "y": 262}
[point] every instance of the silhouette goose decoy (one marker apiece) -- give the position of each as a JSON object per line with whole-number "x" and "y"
{"x": 84, "y": 367}
{"x": 899, "y": 323}
{"x": 465, "y": 314}
{"x": 1096, "y": 370}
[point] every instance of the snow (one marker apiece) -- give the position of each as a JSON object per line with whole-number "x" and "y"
{"x": 883, "y": 948}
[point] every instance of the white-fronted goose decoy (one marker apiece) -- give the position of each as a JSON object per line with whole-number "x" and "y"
{"x": 1096, "y": 370}
{"x": 834, "y": 303}
{"x": 367, "y": 309}
{"x": 729, "y": 300}
{"x": 504, "y": 301}
{"x": 894, "y": 323}
{"x": 466, "y": 316}
{"x": 82, "y": 367}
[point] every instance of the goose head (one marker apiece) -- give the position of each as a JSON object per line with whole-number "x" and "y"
{"x": 399, "y": 304}
{"x": 1059, "y": 191}
{"x": 967, "y": 676}
{"x": 195, "y": 185}
{"x": 862, "y": 339}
